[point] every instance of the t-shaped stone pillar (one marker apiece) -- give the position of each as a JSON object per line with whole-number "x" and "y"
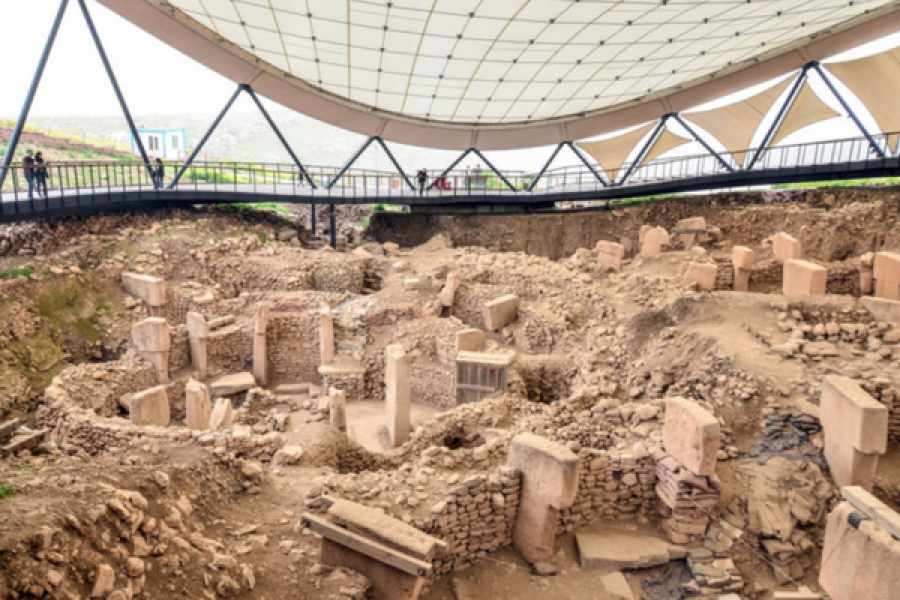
{"x": 742, "y": 260}
{"x": 549, "y": 484}
{"x": 152, "y": 337}
{"x": 198, "y": 406}
{"x": 786, "y": 247}
{"x": 337, "y": 409}
{"x": 654, "y": 241}
{"x": 150, "y": 289}
{"x": 198, "y": 334}
{"x": 326, "y": 335}
{"x": 260, "y": 346}
{"x": 151, "y": 407}
{"x": 886, "y": 269}
{"x": 397, "y": 394}
{"x": 448, "y": 293}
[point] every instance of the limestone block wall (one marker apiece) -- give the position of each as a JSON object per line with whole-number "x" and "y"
{"x": 293, "y": 346}
{"x": 180, "y": 351}
{"x": 229, "y": 350}
{"x": 883, "y": 391}
{"x": 433, "y": 384}
{"x": 352, "y": 384}
{"x": 178, "y": 304}
{"x": 611, "y": 486}
{"x": 98, "y": 387}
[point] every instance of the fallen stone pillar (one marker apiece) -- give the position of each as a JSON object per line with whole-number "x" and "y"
{"x": 703, "y": 275}
{"x": 742, "y": 260}
{"x": 447, "y": 296}
{"x": 501, "y": 312}
{"x": 655, "y": 241}
{"x": 549, "y": 484}
{"x": 261, "y": 346}
{"x": 610, "y": 255}
{"x": 886, "y": 270}
{"x": 151, "y": 407}
{"x": 152, "y": 337}
{"x": 397, "y": 394}
{"x": 337, "y": 409}
{"x": 198, "y": 335}
{"x": 150, "y": 289}
{"x": 803, "y": 278}
{"x": 691, "y": 436}
{"x": 395, "y": 557}
{"x": 326, "y": 335}
{"x": 866, "y": 275}
{"x": 198, "y": 406}
{"x": 882, "y": 309}
{"x": 856, "y": 431}
{"x": 469, "y": 340}
{"x": 859, "y": 559}
{"x": 786, "y": 247}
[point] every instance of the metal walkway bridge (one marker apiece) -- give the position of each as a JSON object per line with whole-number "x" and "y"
{"x": 86, "y": 188}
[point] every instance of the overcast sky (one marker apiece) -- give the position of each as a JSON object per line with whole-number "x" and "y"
{"x": 158, "y": 80}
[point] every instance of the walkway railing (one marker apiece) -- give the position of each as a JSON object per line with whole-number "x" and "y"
{"x": 284, "y": 182}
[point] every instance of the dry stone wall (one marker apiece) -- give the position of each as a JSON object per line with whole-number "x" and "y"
{"x": 229, "y": 350}
{"x": 99, "y": 387}
{"x": 292, "y": 342}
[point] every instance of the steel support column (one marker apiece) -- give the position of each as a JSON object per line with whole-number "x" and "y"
{"x": 779, "y": 118}
{"x": 115, "y": 84}
{"x": 312, "y": 217}
{"x": 277, "y": 131}
{"x": 494, "y": 169}
{"x": 32, "y": 91}
{"x": 818, "y": 68}
{"x": 349, "y": 163}
{"x": 206, "y": 137}
{"x": 645, "y": 150}
{"x": 332, "y": 226}
{"x": 546, "y": 166}
{"x": 703, "y": 142}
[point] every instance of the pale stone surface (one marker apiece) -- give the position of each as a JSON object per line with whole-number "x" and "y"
{"x": 151, "y": 407}
{"x": 614, "y": 551}
{"x": 610, "y": 255}
{"x": 198, "y": 334}
{"x": 694, "y": 223}
{"x": 882, "y": 309}
{"x": 691, "y": 435}
{"x": 500, "y": 312}
{"x": 337, "y": 408}
{"x": 858, "y": 564}
{"x": 150, "y": 289}
{"x": 742, "y": 257}
{"x": 803, "y": 278}
{"x": 261, "y": 345}
{"x": 326, "y": 335}
{"x": 469, "y": 340}
{"x": 866, "y": 273}
{"x": 654, "y": 241}
{"x": 152, "y": 338}
{"x": 230, "y": 385}
{"x": 104, "y": 582}
{"x": 704, "y": 275}
{"x": 883, "y": 515}
{"x": 616, "y": 587}
{"x": 856, "y": 429}
{"x": 886, "y": 270}
{"x": 397, "y": 394}
{"x": 549, "y": 484}
{"x": 197, "y": 405}
{"x": 786, "y": 247}
{"x": 448, "y": 293}
{"x": 222, "y": 416}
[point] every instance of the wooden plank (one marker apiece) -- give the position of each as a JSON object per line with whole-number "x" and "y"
{"x": 374, "y": 550}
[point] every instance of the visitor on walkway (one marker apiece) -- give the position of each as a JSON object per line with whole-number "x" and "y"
{"x": 159, "y": 174}
{"x": 41, "y": 174}
{"x": 28, "y": 171}
{"x": 469, "y": 178}
{"x": 422, "y": 176}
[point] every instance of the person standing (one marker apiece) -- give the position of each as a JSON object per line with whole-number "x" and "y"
{"x": 159, "y": 174}
{"x": 422, "y": 176}
{"x": 28, "y": 171}
{"x": 41, "y": 174}
{"x": 469, "y": 178}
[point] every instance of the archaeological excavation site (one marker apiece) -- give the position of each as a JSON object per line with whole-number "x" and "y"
{"x": 691, "y": 397}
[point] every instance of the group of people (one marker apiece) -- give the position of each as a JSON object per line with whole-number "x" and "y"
{"x": 471, "y": 175}
{"x": 36, "y": 173}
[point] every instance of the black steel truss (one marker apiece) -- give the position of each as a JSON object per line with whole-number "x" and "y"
{"x": 374, "y": 139}
{"x": 477, "y": 153}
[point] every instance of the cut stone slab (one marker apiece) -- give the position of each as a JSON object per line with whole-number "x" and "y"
{"x": 882, "y": 309}
{"x": 848, "y": 411}
{"x": 786, "y": 247}
{"x": 8, "y": 429}
{"x": 803, "y": 278}
{"x": 469, "y": 340}
{"x": 151, "y": 407}
{"x": 26, "y": 441}
{"x": 152, "y": 290}
{"x": 798, "y": 595}
{"x": 198, "y": 406}
{"x": 886, "y": 270}
{"x": 742, "y": 257}
{"x": 448, "y": 293}
{"x": 691, "y": 436}
{"x": 610, "y": 255}
{"x": 704, "y": 275}
{"x": 617, "y": 551}
{"x": 222, "y": 415}
{"x": 616, "y": 587}
{"x": 654, "y": 241}
{"x": 292, "y": 389}
{"x": 230, "y": 385}
{"x": 883, "y": 515}
{"x": 500, "y": 312}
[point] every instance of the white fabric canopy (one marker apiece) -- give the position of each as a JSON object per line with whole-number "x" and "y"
{"x": 735, "y": 124}
{"x": 806, "y": 110}
{"x": 612, "y": 153}
{"x": 876, "y": 81}
{"x": 666, "y": 141}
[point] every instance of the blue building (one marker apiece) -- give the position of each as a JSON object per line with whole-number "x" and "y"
{"x": 167, "y": 144}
